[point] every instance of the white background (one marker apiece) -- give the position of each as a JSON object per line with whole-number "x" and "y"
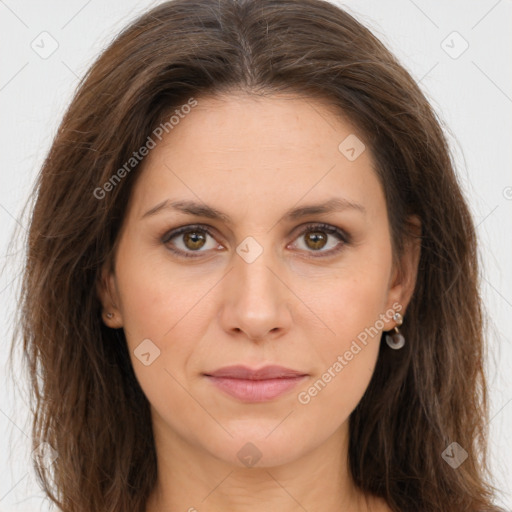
{"x": 471, "y": 93}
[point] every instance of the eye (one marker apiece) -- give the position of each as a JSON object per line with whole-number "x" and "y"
{"x": 194, "y": 239}
{"x": 316, "y": 237}
{"x": 191, "y": 239}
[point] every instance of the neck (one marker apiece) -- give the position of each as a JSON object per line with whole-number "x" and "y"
{"x": 190, "y": 479}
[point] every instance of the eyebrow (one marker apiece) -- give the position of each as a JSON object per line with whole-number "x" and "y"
{"x": 203, "y": 210}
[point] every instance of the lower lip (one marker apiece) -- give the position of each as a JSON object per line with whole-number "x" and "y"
{"x": 255, "y": 390}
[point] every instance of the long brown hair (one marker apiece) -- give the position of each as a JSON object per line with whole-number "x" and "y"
{"x": 87, "y": 403}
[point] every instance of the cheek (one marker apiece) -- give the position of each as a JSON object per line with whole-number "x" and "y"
{"x": 351, "y": 305}
{"x": 160, "y": 309}
{"x": 349, "y": 301}
{"x": 172, "y": 308}
{"x": 349, "y": 356}
{"x": 333, "y": 394}
{"x": 158, "y": 297}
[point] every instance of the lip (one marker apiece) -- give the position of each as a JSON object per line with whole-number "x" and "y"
{"x": 244, "y": 372}
{"x": 255, "y": 385}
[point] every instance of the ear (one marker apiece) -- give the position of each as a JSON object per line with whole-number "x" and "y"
{"x": 405, "y": 269}
{"x": 106, "y": 290}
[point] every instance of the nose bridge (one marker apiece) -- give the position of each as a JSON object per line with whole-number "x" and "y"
{"x": 255, "y": 302}
{"x": 253, "y": 272}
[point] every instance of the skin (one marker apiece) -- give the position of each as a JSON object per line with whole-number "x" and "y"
{"x": 254, "y": 158}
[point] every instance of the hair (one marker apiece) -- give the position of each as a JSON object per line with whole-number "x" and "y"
{"x": 87, "y": 403}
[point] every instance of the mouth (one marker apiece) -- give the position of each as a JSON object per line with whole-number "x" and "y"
{"x": 261, "y": 385}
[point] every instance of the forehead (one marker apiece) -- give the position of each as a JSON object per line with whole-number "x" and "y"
{"x": 244, "y": 149}
{"x": 287, "y": 125}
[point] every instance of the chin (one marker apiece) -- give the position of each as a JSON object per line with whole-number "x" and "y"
{"x": 258, "y": 449}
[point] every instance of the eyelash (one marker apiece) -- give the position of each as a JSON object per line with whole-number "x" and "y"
{"x": 332, "y": 230}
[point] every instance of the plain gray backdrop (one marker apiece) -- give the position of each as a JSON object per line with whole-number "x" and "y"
{"x": 458, "y": 52}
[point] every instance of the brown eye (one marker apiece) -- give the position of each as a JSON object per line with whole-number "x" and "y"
{"x": 317, "y": 237}
{"x": 194, "y": 240}
{"x": 188, "y": 240}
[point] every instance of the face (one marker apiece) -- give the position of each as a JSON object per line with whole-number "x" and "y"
{"x": 236, "y": 279}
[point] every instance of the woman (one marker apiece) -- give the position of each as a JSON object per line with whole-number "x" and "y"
{"x": 251, "y": 279}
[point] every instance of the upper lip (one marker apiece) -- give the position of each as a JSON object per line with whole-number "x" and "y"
{"x": 266, "y": 372}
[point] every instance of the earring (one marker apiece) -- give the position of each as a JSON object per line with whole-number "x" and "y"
{"x": 110, "y": 315}
{"x": 396, "y": 339}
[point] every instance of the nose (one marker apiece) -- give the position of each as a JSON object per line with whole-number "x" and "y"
{"x": 256, "y": 300}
